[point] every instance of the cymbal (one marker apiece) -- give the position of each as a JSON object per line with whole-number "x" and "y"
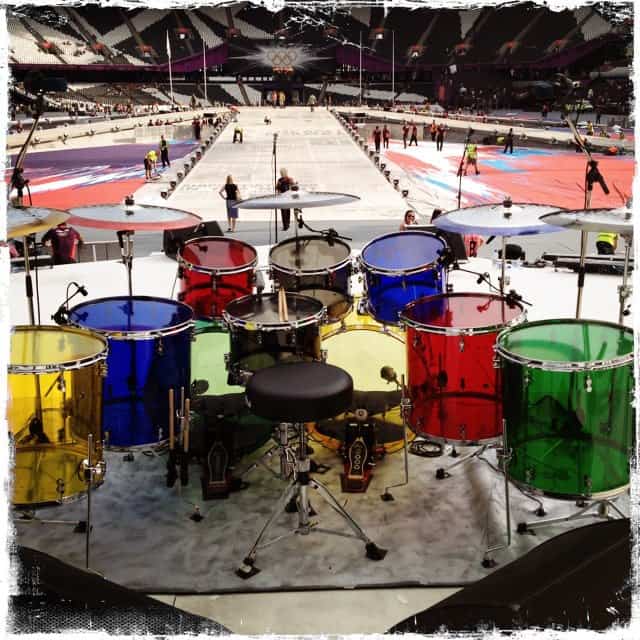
{"x": 22, "y": 221}
{"x": 136, "y": 217}
{"x": 600, "y": 220}
{"x": 519, "y": 219}
{"x": 297, "y": 200}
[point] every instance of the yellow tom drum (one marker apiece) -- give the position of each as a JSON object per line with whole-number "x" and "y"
{"x": 54, "y": 402}
{"x": 362, "y": 346}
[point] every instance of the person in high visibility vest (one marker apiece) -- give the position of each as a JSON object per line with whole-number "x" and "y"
{"x": 472, "y": 157}
{"x": 607, "y": 243}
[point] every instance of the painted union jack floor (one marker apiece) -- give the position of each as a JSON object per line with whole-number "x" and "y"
{"x": 93, "y": 175}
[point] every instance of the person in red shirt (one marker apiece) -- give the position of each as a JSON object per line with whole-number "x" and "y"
{"x": 377, "y": 137}
{"x": 386, "y": 136}
{"x": 64, "y": 241}
{"x": 405, "y": 134}
{"x": 414, "y": 134}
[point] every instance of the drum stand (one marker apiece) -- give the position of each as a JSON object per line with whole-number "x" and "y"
{"x": 504, "y": 457}
{"x": 405, "y": 408}
{"x": 90, "y": 470}
{"x": 603, "y": 506}
{"x": 298, "y": 493}
{"x": 625, "y": 289}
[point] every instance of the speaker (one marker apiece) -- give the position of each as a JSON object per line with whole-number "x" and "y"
{"x": 174, "y": 240}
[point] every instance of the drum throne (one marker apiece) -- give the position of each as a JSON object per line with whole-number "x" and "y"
{"x": 297, "y": 393}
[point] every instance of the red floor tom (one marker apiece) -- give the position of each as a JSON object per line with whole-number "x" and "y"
{"x": 453, "y": 382}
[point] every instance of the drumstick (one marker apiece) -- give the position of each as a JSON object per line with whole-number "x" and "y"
{"x": 187, "y": 422}
{"x": 171, "y": 419}
{"x": 181, "y": 414}
{"x": 285, "y": 311}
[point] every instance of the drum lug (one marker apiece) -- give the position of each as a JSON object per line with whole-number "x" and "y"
{"x": 415, "y": 342}
{"x": 496, "y": 361}
{"x": 588, "y": 384}
{"x": 160, "y": 347}
{"x": 461, "y": 344}
{"x": 529, "y": 476}
{"x": 227, "y": 361}
{"x": 588, "y": 486}
{"x": 526, "y": 379}
{"x": 60, "y": 487}
{"x": 103, "y": 369}
{"x": 324, "y": 354}
{"x": 62, "y": 387}
{"x": 193, "y": 333}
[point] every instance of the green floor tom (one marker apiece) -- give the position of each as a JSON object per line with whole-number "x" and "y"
{"x": 567, "y": 390}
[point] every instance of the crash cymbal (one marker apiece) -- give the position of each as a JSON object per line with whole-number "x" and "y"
{"x": 297, "y": 200}
{"x": 500, "y": 219}
{"x": 23, "y": 221}
{"x": 136, "y": 217}
{"x": 599, "y": 220}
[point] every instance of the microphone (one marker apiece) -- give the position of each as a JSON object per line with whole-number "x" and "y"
{"x": 81, "y": 288}
{"x": 60, "y": 316}
{"x": 389, "y": 374}
{"x": 491, "y": 239}
{"x": 482, "y": 277}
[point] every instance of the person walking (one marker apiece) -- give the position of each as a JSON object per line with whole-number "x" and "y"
{"x": 508, "y": 142}
{"x": 231, "y": 194}
{"x": 440, "y": 137}
{"x": 377, "y": 137}
{"x": 545, "y": 111}
{"x": 237, "y": 134}
{"x": 405, "y": 134}
{"x": 386, "y": 136}
{"x": 164, "y": 152}
{"x": 414, "y": 134}
{"x": 147, "y": 167}
{"x": 312, "y": 102}
{"x": 472, "y": 157}
{"x": 433, "y": 129}
{"x": 64, "y": 241}
{"x": 284, "y": 184}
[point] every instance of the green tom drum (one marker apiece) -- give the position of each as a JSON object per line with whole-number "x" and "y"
{"x": 567, "y": 399}
{"x": 220, "y": 409}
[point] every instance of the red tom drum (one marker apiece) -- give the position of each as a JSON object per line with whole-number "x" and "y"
{"x": 214, "y": 271}
{"x": 453, "y": 384}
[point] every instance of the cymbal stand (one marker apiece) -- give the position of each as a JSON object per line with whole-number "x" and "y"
{"x": 405, "y": 408}
{"x": 625, "y": 289}
{"x": 504, "y": 457}
{"x": 125, "y": 240}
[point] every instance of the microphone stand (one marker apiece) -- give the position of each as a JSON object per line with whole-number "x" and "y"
{"x": 464, "y": 154}
{"x": 275, "y": 181}
{"x": 329, "y": 234}
{"x": 61, "y": 316}
{"x": 592, "y": 175}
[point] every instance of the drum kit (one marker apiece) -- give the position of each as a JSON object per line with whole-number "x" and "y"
{"x": 127, "y": 371}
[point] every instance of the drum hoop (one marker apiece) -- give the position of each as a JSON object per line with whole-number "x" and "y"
{"x": 148, "y": 334}
{"x": 302, "y": 272}
{"x": 385, "y": 329}
{"x": 234, "y": 323}
{"x": 600, "y": 495}
{"x": 553, "y": 365}
{"x": 368, "y": 268}
{"x": 67, "y": 365}
{"x": 229, "y": 271}
{"x": 320, "y": 272}
{"x": 460, "y": 331}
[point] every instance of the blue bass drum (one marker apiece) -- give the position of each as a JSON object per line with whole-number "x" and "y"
{"x": 149, "y": 353}
{"x": 399, "y": 268}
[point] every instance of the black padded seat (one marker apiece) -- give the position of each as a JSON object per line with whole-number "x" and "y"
{"x": 300, "y": 392}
